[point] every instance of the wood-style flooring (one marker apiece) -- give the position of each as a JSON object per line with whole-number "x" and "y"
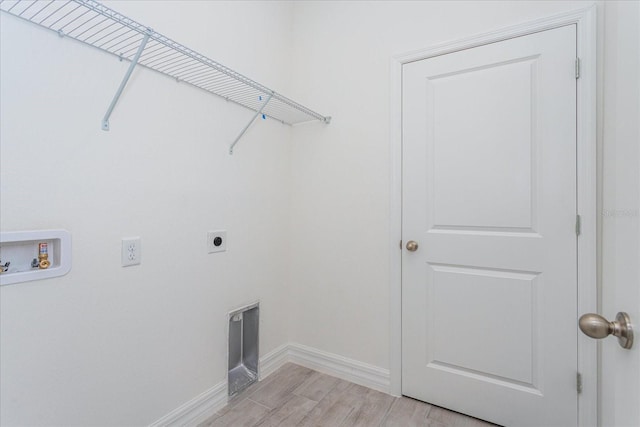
{"x": 297, "y": 396}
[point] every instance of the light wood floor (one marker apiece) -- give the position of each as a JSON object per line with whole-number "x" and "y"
{"x": 297, "y": 396}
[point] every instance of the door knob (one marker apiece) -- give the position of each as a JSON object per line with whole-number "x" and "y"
{"x": 412, "y": 246}
{"x": 596, "y": 326}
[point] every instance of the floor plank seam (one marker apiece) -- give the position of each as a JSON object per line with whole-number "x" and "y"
{"x": 386, "y": 414}
{"x": 298, "y": 396}
{"x": 261, "y": 404}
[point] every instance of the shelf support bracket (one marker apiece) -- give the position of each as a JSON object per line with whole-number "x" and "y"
{"x": 134, "y": 62}
{"x": 250, "y": 122}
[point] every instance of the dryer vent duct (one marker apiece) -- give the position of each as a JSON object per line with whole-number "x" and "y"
{"x": 243, "y": 348}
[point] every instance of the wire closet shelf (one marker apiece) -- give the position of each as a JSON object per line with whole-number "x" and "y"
{"x": 99, "y": 26}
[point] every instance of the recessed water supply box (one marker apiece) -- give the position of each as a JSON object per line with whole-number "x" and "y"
{"x": 34, "y": 255}
{"x": 243, "y": 348}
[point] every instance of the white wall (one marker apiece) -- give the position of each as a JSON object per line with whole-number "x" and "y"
{"x": 111, "y": 345}
{"x": 107, "y": 345}
{"x": 340, "y": 210}
{"x": 340, "y": 216}
{"x": 620, "y": 126}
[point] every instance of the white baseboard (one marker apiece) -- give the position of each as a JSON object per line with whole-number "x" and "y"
{"x": 203, "y": 406}
{"x": 208, "y": 403}
{"x": 341, "y": 367}
{"x": 197, "y": 409}
{"x": 272, "y": 361}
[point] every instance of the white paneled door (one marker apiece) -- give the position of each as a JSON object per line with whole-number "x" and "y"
{"x": 489, "y": 282}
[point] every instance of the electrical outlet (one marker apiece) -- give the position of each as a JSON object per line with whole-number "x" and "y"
{"x": 131, "y": 251}
{"x": 216, "y": 241}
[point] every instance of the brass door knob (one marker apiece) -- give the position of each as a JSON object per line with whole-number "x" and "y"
{"x": 596, "y": 326}
{"x": 412, "y": 246}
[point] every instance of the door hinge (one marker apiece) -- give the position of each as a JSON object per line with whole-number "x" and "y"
{"x": 578, "y": 225}
{"x": 579, "y": 382}
{"x": 577, "y": 68}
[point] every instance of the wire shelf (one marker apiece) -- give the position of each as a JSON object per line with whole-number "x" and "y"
{"x": 94, "y": 24}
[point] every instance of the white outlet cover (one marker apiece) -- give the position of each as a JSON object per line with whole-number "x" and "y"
{"x": 131, "y": 251}
{"x": 211, "y": 241}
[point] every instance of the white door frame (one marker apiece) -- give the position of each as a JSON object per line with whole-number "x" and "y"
{"x": 585, "y": 21}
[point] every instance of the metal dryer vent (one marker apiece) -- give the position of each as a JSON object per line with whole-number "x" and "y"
{"x": 243, "y": 348}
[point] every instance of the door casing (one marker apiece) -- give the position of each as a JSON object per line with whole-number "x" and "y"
{"x": 585, "y": 21}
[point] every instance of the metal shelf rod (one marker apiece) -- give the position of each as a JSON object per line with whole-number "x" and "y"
{"x": 123, "y": 83}
{"x": 250, "y": 122}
